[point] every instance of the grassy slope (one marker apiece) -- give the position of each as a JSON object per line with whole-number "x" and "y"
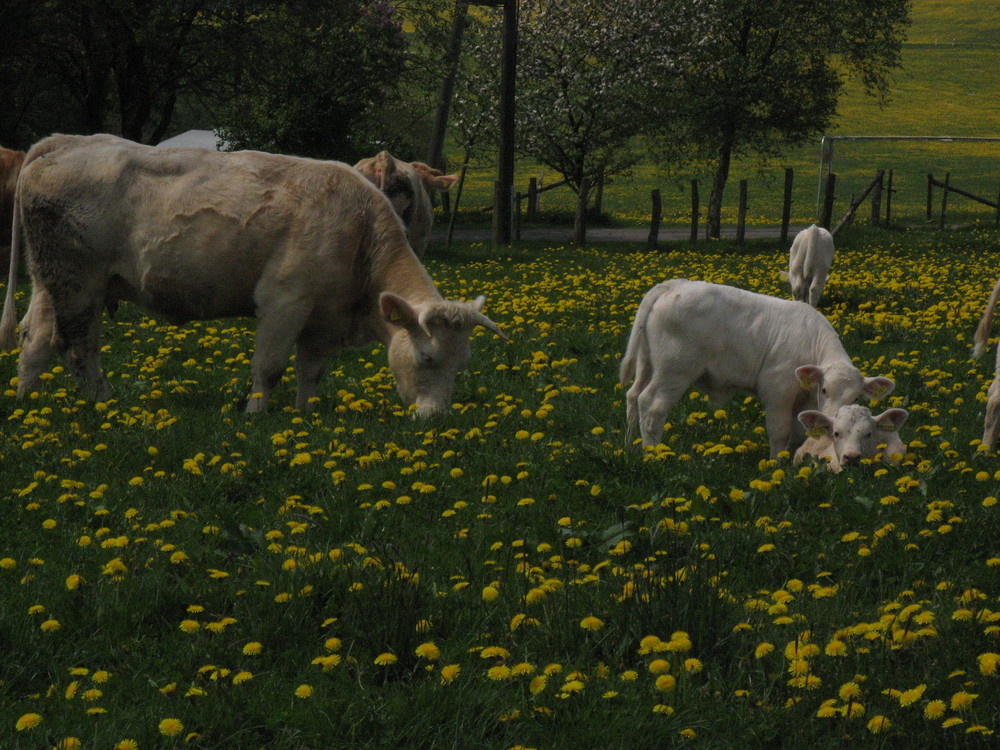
{"x": 942, "y": 89}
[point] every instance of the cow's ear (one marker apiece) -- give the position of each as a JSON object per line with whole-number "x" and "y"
{"x": 876, "y": 388}
{"x": 433, "y": 179}
{"x": 478, "y": 302}
{"x": 817, "y": 424}
{"x": 891, "y": 420}
{"x": 397, "y": 310}
{"x": 810, "y": 376}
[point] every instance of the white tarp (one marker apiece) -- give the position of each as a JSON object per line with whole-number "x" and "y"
{"x": 206, "y": 139}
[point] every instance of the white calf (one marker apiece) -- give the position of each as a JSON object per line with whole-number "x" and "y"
{"x": 723, "y": 339}
{"x": 992, "y": 420}
{"x": 809, "y": 261}
{"x": 851, "y": 435}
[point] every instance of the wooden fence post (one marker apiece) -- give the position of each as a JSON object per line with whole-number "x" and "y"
{"x": 654, "y": 224}
{"x": 831, "y": 184}
{"x": 944, "y": 198}
{"x": 741, "y": 216}
{"x": 694, "y": 211}
{"x": 517, "y": 216}
{"x": 458, "y": 198}
{"x": 996, "y": 222}
{"x": 532, "y": 198}
{"x": 888, "y": 201}
{"x": 930, "y": 191}
{"x": 877, "y": 198}
{"x": 580, "y": 222}
{"x": 786, "y": 205}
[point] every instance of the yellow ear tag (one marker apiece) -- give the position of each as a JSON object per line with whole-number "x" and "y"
{"x": 879, "y": 392}
{"x": 816, "y": 432}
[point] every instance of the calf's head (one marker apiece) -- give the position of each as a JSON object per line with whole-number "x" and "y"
{"x": 839, "y": 384}
{"x": 429, "y": 345}
{"x": 853, "y": 431}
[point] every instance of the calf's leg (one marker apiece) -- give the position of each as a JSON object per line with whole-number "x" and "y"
{"x": 278, "y": 327}
{"x": 992, "y": 421}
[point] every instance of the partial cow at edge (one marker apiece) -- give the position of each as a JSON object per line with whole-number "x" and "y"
{"x": 408, "y": 186}
{"x": 851, "y": 435}
{"x": 809, "y": 261}
{"x": 10, "y": 167}
{"x": 991, "y": 424}
{"x": 723, "y": 339}
{"x": 310, "y": 248}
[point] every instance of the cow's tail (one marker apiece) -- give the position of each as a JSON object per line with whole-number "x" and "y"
{"x": 626, "y": 370}
{"x": 986, "y": 323}
{"x": 8, "y": 322}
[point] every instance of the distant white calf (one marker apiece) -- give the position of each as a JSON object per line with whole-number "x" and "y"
{"x": 723, "y": 339}
{"x": 992, "y": 421}
{"x": 851, "y": 435}
{"x": 809, "y": 261}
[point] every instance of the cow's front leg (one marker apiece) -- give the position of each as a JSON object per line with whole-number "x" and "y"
{"x": 277, "y": 329}
{"x": 654, "y": 404}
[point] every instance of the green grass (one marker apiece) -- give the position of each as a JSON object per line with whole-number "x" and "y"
{"x": 197, "y": 529}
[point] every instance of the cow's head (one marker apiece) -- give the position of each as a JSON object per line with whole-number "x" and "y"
{"x": 429, "y": 345}
{"x": 853, "y": 431}
{"x": 407, "y": 185}
{"x": 839, "y": 384}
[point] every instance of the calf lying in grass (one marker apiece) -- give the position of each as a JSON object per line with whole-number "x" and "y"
{"x": 853, "y": 434}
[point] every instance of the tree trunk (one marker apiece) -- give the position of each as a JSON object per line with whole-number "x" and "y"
{"x": 714, "y": 219}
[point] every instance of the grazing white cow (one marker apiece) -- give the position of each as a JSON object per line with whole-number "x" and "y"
{"x": 809, "y": 261}
{"x": 722, "y": 339}
{"x": 991, "y": 424}
{"x": 310, "y": 248}
{"x": 851, "y": 435}
{"x": 407, "y": 185}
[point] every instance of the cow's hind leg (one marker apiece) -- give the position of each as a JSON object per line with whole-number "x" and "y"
{"x": 37, "y": 334}
{"x": 78, "y": 341}
{"x": 310, "y": 360}
{"x": 654, "y": 403}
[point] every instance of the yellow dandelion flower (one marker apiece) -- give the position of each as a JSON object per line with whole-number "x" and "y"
{"x": 171, "y": 727}
{"x": 988, "y": 663}
{"x": 498, "y": 672}
{"x": 303, "y": 691}
{"x": 591, "y": 623}
{"x": 666, "y": 683}
{"x": 962, "y": 700}
{"x": 878, "y": 724}
{"x": 449, "y": 673}
{"x": 763, "y": 649}
{"x": 127, "y": 745}
{"x": 934, "y": 709}
{"x": 386, "y": 659}
{"x": 27, "y": 722}
{"x": 252, "y": 648}
{"x": 428, "y": 651}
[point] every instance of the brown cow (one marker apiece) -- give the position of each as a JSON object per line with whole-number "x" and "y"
{"x": 407, "y": 185}
{"x": 10, "y": 167}
{"x": 310, "y": 248}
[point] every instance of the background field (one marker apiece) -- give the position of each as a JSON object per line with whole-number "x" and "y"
{"x": 949, "y": 86}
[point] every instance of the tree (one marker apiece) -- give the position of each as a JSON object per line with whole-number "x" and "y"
{"x": 586, "y": 71}
{"x": 89, "y": 66}
{"x": 317, "y": 75}
{"x": 770, "y": 72}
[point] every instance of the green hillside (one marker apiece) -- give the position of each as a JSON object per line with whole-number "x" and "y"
{"x": 949, "y": 86}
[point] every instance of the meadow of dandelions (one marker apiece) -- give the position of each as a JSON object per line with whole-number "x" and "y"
{"x": 513, "y": 574}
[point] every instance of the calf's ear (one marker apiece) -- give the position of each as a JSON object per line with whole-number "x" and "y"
{"x": 876, "y": 388}
{"x": 810, "y": 376}
{"x": 891, "y": 419}
{"x": 817, "y": 424}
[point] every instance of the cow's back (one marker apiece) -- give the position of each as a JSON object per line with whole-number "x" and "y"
{"x": 192, "y": 233}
